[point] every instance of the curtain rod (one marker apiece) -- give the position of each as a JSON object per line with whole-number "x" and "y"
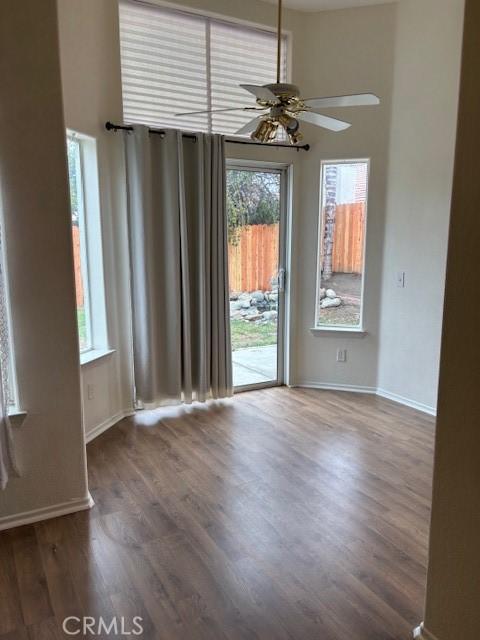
{"x": 110, "y": 126}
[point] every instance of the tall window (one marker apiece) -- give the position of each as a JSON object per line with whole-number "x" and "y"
{"x": 341, "y": 251}
{"x": 7, "y": 377}
{"x": 87, "y": 242}
{"x": 80, "y": 256}
{"x": 175, "y": 61}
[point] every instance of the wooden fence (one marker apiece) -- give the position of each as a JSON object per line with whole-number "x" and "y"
{"x": 253, "y": 258}
{"x": 253, "y": 252}
{"x": 77, "y": 265}
{"x": 349, "y": 238}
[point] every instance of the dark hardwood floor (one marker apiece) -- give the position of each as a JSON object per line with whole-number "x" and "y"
{"x": 285, "y": 514}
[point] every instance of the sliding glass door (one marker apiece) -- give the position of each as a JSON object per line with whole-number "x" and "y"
{"x": 256, "y": 197}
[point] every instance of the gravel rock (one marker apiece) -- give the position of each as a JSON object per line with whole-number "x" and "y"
{"x": 269, "y": 315}
{"x": 330, "y": 302}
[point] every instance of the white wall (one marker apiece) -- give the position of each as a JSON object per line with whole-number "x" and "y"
{"x": 90, "y": 64}
{"x": 33, "y": 173}
{"x": 342, "y": 52}
{"x": 385, "y": 49}
{"x": 427, "y": 64}
{"x": 322, "y": 65}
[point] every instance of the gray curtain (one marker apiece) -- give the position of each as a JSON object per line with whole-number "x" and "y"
{"x": 178, "y": 260}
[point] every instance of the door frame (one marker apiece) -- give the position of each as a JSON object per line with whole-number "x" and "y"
{"x": 284, "y": 261}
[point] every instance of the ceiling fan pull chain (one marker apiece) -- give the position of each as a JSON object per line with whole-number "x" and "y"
{"x": 279, "y": 39}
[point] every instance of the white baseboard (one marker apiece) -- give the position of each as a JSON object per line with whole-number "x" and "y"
{"x": 45, "y": 513}
{"x": 334, "y": 387}
{"x": 106, "y": 424}
{"x": 420, "y": 633}
{"x": 28, "y": 517}
{"x": 383, "y": 393}
{"x": 419, "y": 406}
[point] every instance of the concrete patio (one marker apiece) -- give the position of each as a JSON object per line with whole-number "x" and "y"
{"x": 254, "y": 365}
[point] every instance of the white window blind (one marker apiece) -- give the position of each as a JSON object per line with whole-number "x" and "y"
{"x": 174, "y": 61}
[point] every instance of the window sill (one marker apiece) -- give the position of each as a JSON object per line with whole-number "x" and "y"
{"x": 16, "y": 416}
{"x": 331, "y": 331}
{"x": 87, "y": 357}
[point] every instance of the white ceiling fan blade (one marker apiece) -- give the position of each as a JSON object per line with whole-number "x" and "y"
{"x": 323, "y": 121}
{"x": 262, "y": 93}
{"x": 357, "y": 100}
{"x": 194, "y": 113}
{"x": 249, "y": 127}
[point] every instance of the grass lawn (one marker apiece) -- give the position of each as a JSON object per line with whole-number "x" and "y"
{"x": 82, "y": 327}
{"x": 249, "y": 334}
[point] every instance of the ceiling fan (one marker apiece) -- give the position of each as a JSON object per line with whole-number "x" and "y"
{"x": 282, "y": 107}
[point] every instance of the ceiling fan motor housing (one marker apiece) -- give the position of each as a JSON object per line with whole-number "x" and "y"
{"x": 285, "y": 94}
{"x": 283, "y": 90}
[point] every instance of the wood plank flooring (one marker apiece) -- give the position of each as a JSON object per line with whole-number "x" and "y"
{"x": 285, "y": 514}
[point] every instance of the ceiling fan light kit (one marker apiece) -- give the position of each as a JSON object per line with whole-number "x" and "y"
{"x": 283, "y": 107}
{"x": 266, "y": 130}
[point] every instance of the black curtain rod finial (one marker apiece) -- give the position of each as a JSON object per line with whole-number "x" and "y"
{"x": 110, "y": 126}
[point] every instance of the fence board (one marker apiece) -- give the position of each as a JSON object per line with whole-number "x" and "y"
{"x": 349, "y": 238}
{"x": 77, "y": 265}
{"x": 253, "y": 258}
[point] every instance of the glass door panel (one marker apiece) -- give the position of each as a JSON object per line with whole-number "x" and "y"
{"x": 256, "y": 276}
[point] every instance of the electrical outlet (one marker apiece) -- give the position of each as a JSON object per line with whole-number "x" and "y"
{"x": 400, "y": 278}
{"x": 90, "y": 391}
{"x": 341, "y": 355}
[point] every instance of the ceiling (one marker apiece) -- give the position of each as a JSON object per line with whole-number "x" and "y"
{"x": 321, "y": 5}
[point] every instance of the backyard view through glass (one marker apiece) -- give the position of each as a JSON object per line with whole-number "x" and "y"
{"x": 253, "y": 208}
{"x": 78, "y": 238}
{"x": 342, "y": 243}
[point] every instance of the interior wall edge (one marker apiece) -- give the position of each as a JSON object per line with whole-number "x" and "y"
{"x": 408, "y": 402}
{"x": 45, "y": 513}
{"x": 91, "y": 86}
{"x": 97, "y": 430}
{"x": 50, "y": 444}
{"x": 382, "y": 393}
{"x": 327, "y": 386}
